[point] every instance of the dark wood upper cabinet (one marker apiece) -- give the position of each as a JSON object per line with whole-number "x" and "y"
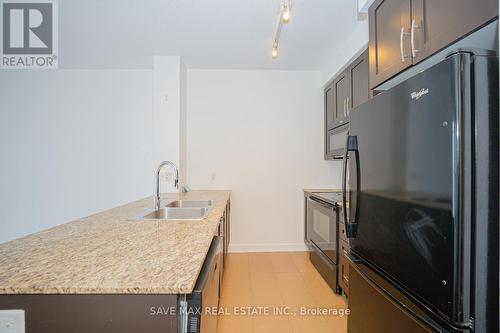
{"x": 436, "y": 24}
{"x": 389, "y": 25}
{"x": 359, "y": 85}
{"x": 405, "y": 32}
{"x": 348, "y": 90}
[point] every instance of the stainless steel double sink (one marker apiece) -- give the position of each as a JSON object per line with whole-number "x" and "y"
{"x": 188, "y": 210}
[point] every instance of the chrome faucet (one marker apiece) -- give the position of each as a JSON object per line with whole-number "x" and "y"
{"x": 176, "y": 181}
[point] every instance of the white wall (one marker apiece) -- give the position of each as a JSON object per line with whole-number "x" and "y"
{"x": 353, "y": 46}
{"x": 183, "y": 126}
{"x": 73, "y": 143}
{"x": 259, "y": 133}
{"x": 169, "y": 76}
{"x": 363, "y": 5}
{"x": 77, "y": 142}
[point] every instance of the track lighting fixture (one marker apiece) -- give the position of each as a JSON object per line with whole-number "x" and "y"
{"x": 284, "y": 18}
{"x": 285, "y": 11}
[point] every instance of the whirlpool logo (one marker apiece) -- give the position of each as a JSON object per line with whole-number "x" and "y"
{"x": 416, "y": 95}
{"x": 29, "y": 34}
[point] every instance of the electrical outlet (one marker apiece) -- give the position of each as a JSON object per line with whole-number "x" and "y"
{"x": 213, "y": 176}
{"x": 12, "y": 321}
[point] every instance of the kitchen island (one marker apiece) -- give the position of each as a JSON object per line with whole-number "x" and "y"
{"x": 110, "y": 267}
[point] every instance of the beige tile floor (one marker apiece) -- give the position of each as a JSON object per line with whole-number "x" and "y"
{"x": 260, "y": 282}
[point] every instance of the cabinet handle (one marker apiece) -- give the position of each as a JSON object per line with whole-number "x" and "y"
{"x": 347, "y": 108}
{"x": 344, "y": 105}
{"x": 401, "y": 44}
{"x": 414, "y": 51}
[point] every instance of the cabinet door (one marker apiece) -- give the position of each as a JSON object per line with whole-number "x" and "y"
{"x": 329, "y": 113}
{"x": 227, "y": 231}
{"x": 222, "y": 234}
{"x": 358, "y": 77}
{"x": 389, "y": 25}
{"x": 436, "y": 24}
{"x": 340, "y": 98}
{"x": 228, "y": 225}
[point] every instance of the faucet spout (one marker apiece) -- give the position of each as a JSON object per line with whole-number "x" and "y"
{"x": 176, "y": 181}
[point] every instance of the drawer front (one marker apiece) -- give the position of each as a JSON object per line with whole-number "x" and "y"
{"x": 373, "y": 310}
{"x": 326, "y": 269}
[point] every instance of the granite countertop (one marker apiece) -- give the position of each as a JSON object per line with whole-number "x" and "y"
{"x": 107, "y": 253}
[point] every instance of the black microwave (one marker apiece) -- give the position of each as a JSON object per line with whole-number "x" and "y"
{"x": 335, "y": 142}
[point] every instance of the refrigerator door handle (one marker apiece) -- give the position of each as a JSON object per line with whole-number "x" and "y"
{"x": 344, "y": 180}
{"x": 351, "y": 146}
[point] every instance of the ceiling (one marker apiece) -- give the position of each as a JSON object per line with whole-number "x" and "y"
{"x": 208, "y": 34}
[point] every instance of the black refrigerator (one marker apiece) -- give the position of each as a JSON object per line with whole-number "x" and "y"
{"x": 421, "y": 182}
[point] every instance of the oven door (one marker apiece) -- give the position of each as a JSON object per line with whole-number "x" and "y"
{"x": 322, "y": 227}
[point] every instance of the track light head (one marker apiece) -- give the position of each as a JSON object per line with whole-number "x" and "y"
{"x": 285, "y": 16}
{"x": 274, "y": 52}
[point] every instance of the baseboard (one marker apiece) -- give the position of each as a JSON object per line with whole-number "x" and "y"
{"x": 287, "y": 247}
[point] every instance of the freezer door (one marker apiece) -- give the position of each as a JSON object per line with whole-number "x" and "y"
{"x": 373, "y": 308}
{"x": 404, "y": 181}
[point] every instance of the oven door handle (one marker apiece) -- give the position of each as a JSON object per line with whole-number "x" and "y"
{"x": 351, "y": 146}
{"x": 321, "y": 203}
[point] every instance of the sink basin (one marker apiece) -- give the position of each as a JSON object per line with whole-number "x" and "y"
{"x": 187, "y": 210}
{"x": 190, "y": 203}
{"x": 171, "y": 213}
